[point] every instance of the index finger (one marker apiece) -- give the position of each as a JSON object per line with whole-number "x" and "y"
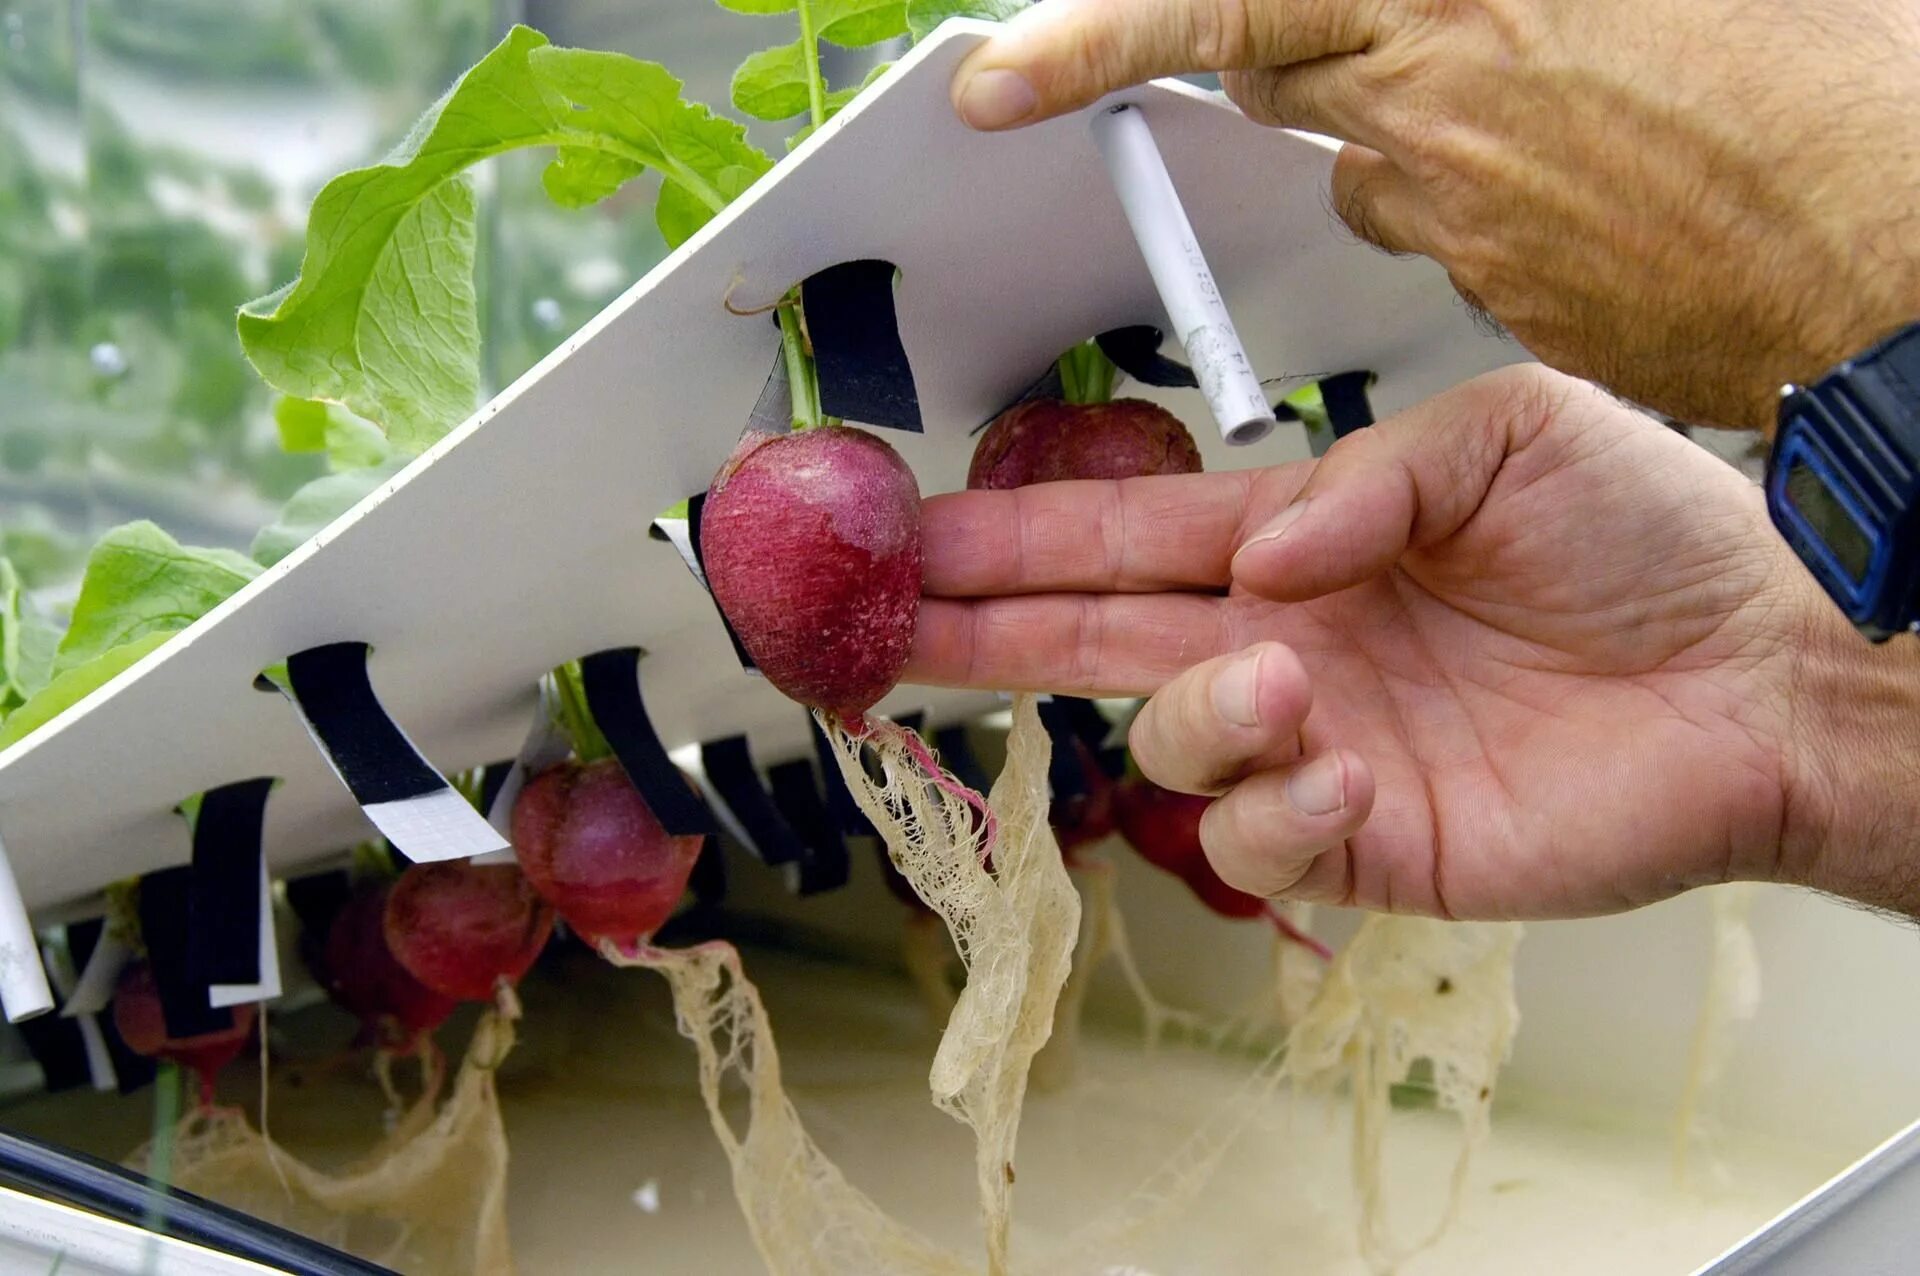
{"x": 1137, "y": 535}
{"x": 1060, "y": 55}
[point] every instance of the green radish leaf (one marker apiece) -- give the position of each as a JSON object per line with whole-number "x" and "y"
{"x": 27, "y": 642}
{"x": 302, "y": 423}
{"x": 837, "y": 100}
{"x": 69, "y": 688}
{"x": 758, "y": 6}
{"x": 634, "y": 108}
{"x": 382, "y": 317}
{"x": 679, "y": 212}
{"x": 580, "y": 176}
{"x": 140, "y": 581}
{"x": 855, "y": 24}
{"x": 924, "y": 15}
{"x": 772, "y": 84}
{"x": 316, "y": 505}
{"x": 354, "y": 443}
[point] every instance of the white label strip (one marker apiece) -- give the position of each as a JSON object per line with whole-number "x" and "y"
{"x": 94, "y": 992}
{"x": 1180, "y": 273}
{"x": 222, "y": 995}
{"x": 23, "y": 980}
{"x": 435, "y": 826}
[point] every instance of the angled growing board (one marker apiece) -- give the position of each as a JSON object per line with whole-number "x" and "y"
{"x": 520, "y": 540}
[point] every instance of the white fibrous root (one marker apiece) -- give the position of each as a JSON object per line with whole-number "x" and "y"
{"x": 1731, "y": 999}
{"x": 1402, "y": 990}
{"x": 994, "y": 874}
{"x": 806, "y": 1219}
{"x": 430, "y": 1197}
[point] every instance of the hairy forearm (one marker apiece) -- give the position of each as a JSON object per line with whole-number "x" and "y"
{"x": 1853, "y": 822}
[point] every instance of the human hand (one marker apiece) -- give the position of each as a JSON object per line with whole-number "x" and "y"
{"x": 1519, "y": 651}
{"x": 1690, "y": 201}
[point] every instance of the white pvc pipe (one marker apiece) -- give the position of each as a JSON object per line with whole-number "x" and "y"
{"x": 1180, "y": 273}
{"x": 23, "y": 980}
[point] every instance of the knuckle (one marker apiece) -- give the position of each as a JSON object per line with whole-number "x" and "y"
{"x": 1220, "y": 34}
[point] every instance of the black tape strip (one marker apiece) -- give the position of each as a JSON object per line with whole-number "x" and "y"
{"x": 337, "y": 698}
{"x": 857, "y": 353}
{"x": 57, "y": 1045}
{"x": 134, "y": 1071}
{"x": 730, "y": 769}
{"x": 1086, "y": 721}
{"x": 696, "y": 504}
{"x": 957, "y": 756}
{"x": 166, "y": 909}
{"x": 611, "y": 680}
{"x": 1135, "y": 350}
{"x": 846, "y": 813}
{"x": 1348, "y": 408}
{"x": 223, "y": 944}
{"x": 1066, "y": 779}
{"x": 826, "y": 865}
{"x": 493, "y": 778}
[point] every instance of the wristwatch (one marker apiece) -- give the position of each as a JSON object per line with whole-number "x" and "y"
{"x": 1843, "y": 483}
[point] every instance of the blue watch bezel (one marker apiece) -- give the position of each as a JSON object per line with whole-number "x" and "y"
{"x": 1858, "y": 431}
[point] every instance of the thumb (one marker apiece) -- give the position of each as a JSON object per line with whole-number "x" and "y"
{"x": 1411, "y": 481}
{"x": 1059, "y": 55}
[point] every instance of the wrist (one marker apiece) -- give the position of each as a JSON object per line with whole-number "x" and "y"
{"x": 1852, "y": 822}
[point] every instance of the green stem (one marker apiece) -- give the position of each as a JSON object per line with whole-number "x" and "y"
{"x": 1087, "y": 375}
{"x": 810, "y": 48}
{"x": 166, "y": 1115}
{"x": 588, "y": 744}
{"x": 802, "y": 381}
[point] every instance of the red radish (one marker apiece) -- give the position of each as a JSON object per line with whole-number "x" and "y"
{"x": 138, "y": 1019}
{"x": 1164, "y": 827}
{"x": 1046, "y": 440}
{"x": 811, "y": 543}
{"x": 594, "y": 850}
{"x": 460, "y": 928}
{"x": 361, "y": 973}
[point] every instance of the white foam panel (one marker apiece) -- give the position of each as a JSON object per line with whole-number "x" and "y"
{"x": 521, "y": 540}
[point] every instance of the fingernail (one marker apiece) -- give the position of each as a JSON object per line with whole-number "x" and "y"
{"x": 1319, "y": 787}
{"x": 1277, "y": 528}
{"x": 995, "y": 99}
{"x": 1236, "y": 692}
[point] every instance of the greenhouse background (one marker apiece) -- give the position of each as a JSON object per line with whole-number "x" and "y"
{"x": 156, "y": 164}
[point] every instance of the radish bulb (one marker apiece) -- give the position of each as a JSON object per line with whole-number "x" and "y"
{"x": 361, "y": 974}
{"x": 1164, "y": 827}
{"x": 461, "y": 928}
{"x": 1046, "y": 440}
{"x": 811, "y": 542}
{"x": 142, "y": 1025}
{"x": 592, "y": 848}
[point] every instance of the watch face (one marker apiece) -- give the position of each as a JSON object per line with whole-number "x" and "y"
{"x": 1829, "y": 519}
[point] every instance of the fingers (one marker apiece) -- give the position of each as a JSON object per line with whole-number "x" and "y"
{"x": 1136, "y": 535}
{"x": 1083, "y": 644}
{"x": 1379, "y": 203}
{"x": 1280, "y": 831}
{"x": 1407, "y": 483}
{"x": 1223, "y": 719}
{"x": 1061, "y": 55}
{"x": 1326, "y": 96}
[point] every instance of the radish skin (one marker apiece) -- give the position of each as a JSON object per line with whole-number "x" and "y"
{"x": 811, "y": 543}
{"x": 593, "y": 848}
{"x": 1046, "y": 441}
{"x": 460, "y": 928}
